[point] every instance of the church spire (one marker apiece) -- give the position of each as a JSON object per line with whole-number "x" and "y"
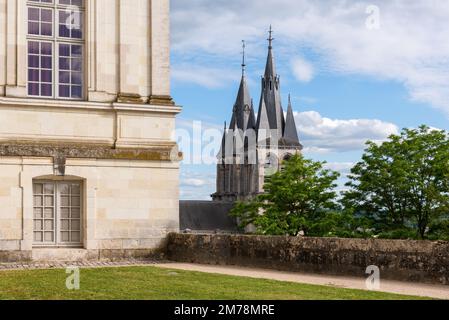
{"x": 291, "y": 137}
{"x": 243, "y": 58}
{"x": 252, "y": 117}
{"x": 242, "y": 107}
{"x": 263, "y": 121}
{"x": 271, "y": 97}
{"x": 270, "y": 69}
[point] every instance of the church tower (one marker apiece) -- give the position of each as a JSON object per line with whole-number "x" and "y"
{"x": 254, "y": 149}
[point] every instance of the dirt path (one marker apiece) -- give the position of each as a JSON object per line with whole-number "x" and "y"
{"x": 405, "y": 288}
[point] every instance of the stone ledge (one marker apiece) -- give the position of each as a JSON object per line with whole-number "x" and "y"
{"x": 165, "y": 105}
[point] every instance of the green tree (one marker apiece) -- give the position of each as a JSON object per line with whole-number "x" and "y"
{"x": 402, "y": 184}
{"x": 294, "y": 200}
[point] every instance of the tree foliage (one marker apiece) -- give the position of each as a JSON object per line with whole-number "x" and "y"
{"x": 295, "y": 199}
{"x": 399, "y": 190}
{"x": 402, "y": 185}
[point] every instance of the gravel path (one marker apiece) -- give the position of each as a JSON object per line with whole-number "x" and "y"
{"x": 405, "y": 288}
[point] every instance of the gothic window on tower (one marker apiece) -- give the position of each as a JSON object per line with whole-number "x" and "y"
{"x": 56, "y": 49}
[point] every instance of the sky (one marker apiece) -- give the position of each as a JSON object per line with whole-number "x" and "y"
{"x": 356, "y": 71}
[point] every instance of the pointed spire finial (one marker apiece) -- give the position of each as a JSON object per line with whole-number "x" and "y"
{"x": 270, "y": 38}
{"x": 244, "y": 57}
{"x": 289, "y": 99}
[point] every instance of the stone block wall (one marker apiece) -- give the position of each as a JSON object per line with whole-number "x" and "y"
{"x": 418, "y": 261}
{"x": 127, "y": 205}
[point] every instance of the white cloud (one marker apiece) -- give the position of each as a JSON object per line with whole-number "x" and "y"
{"x": 208, "y": 77}
{"x": 411, "y": 47}
{"x": 321, "y": 135}
{"x": 302, "y": 70}
{"x": 194, "y": 182}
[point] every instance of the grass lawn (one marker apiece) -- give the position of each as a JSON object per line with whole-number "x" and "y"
{"x": 151, "y": 283}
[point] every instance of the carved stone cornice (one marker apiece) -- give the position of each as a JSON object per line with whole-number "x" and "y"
{"x": 89, "y": 151}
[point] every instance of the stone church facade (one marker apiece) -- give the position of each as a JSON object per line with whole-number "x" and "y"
{"x": 254, "y": 148}
{"x": 88, "y": 165}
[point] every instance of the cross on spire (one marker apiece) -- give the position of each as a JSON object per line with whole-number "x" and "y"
{"x": 270, "y": 38}
{"x": 244, "y": 57}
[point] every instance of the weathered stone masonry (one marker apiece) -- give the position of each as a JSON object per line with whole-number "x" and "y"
{"x": 91, "y": 173}
{"x": 420, "y": 261}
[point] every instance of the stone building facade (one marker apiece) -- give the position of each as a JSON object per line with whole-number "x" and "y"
{"x": 88, "y": 164}
{"x": 254, "y": 148}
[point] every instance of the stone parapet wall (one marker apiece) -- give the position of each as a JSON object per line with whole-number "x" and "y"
{"x": 419, "y": 261}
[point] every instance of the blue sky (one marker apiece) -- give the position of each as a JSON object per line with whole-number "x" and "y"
{"x": 355, "y": 72}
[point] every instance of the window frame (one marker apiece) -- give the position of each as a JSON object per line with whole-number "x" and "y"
{"x": 56, "y": 40}
{"x": 40, "y": 41}
{"x": 57, "y": 216}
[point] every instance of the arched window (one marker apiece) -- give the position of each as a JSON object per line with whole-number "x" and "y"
{"x": 55, "y": 41}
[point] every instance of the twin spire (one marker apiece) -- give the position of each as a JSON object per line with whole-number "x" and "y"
{"x": 271, "y": 115}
